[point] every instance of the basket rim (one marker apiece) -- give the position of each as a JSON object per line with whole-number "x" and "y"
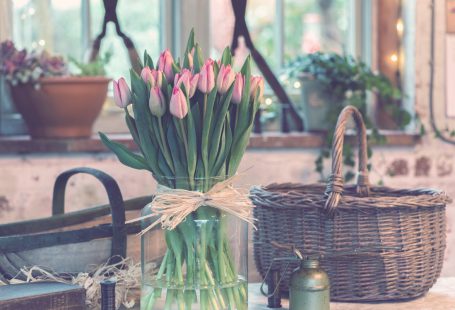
{"x": 292, "y": 195}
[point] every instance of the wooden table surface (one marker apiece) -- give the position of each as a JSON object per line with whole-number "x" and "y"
{"x": 440, "y": 297}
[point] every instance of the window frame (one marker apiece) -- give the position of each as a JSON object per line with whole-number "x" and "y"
{"x": 174, "y": 23}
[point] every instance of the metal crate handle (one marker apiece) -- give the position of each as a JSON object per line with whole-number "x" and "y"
{"x": 114, "y": 195}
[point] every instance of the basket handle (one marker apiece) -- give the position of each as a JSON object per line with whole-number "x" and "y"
{"x": 119, "y": 234}
{"x": 336, "y": 182}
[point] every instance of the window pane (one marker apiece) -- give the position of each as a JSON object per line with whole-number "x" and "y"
{"x": 304, "y": 26}
{"x": 139, "y": 20}
{"x": 45, "y": 24}
{"x": 57, "y": 26}
{"x": 261, "y": 20}
{"x": 316, "y": 25}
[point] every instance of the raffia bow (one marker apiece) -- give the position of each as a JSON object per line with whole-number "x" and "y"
{"x": 174, "y": 205}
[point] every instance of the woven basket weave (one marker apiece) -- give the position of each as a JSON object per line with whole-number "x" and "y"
{"x": 376, "y": 243}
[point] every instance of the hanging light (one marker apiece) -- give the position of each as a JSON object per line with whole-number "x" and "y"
{"x": 400, "y": 27}
{"x": 394, "y": 58}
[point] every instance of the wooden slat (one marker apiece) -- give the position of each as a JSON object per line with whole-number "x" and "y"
{"x": 68, "y": 219}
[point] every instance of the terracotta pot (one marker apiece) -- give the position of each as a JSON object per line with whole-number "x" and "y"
{"x": 63, "y": 107}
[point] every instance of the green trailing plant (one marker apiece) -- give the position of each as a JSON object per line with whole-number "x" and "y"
{"x": 94, "y": 68}
{"x": 348, "y": 81}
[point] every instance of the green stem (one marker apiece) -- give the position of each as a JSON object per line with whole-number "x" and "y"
{"x": 165, "y": 147}
{"x": 205, "y": 106}
{"x": 184, "y": 137}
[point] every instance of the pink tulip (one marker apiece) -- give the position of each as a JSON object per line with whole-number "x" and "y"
{"x": 256, "y": 83}
{"x": 146, "y": 74}
{"x": 225, "y": 78}
{"x": 189, "y": 81}
{"x": 238, "y": 88}
{"x": 207, "y": 77}
{"x": 157, "y": 102}
{"x": 178, "y": 105}
{"x": 183, "y": 77}
{"x": 157, "y": 77}
{"x": 193, "y": 84}
{"x": 122, "y": 93}
{"x": 152, "y": 77}
{"x": 191, "y": 58}
{"x": 165, "y": 63}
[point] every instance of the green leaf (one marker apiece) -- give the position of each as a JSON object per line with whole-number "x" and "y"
{"x": 243, "y": 107}
{"x": 176, "y": 68}
{"x": 349, "y": 176}
{"x": 226, "y": 58}
{"x": 189, "y": 47}
{"x": 124, "y": 155}
{"x": 206, "y": 128}
{"x": 177, "y": 152}
{"x": 132, "y": 128}
{"x": 164, "y": 152}
{"x": 192, "y": 142}
{"x": 143, "y": 118}
{"x": 197, "y": 59}
{"x": 148, "y": 62}
{"x": 225, "y": 149}
{"x": 422, "y": 130}
{"x": 220, "y": 119}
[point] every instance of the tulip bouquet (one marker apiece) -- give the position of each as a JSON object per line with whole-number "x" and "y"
{"x": 191, "y": 121}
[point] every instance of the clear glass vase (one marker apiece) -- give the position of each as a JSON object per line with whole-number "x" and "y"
{"x": 201, "y": 264}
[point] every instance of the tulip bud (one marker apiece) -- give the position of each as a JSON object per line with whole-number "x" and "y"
{"x": 152, "y": 77}
{"x": 122, "y": 93}
{"x": 193, "y": 84}
{"x": 256, "y": 83}
{"x": 183, "y": 77}
{"x": 158, "y": 76}
{"x": 206, "y": 77}
{"x": 191, "y": 58}
{"x": 225, "y": 78}
{"x": 165, "y": 63}
{"x": 146, "y": 75}
{"x": 178, "y": 105}
{"x": 157, "y": 103}
{"x": 238, "y": 88}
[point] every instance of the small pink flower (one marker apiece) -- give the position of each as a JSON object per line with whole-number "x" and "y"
{"x": 256, "y": 84}
{"x": 157, "y": 77}
{"x": 225, "y": 78}
{"x": 165, "y": 63}
{"x": 189, "y": 81}
{"x": 207, "y": 77}
{"x": 193, "y": 84}
{"x": 238, "y": 88}
{"x": 183, "y": 77}
{"x": 178, "y": 105}
{"x": 157, "y": 102}
{"x": 146, "y": 75}
{"x": 152, "y": 77}
{"x": 122, "y": 93}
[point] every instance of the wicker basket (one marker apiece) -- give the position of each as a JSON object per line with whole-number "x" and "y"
{"x": 376, "y": 243}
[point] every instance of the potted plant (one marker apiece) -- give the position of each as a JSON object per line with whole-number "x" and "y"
{"x": 54, "y": 103}
{"x": 330, "y": 81}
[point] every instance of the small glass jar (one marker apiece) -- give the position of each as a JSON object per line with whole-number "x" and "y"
{"x": 201, "y": 264}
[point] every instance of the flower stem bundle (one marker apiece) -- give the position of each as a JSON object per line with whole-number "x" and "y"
{"x": 191, "y": 121}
